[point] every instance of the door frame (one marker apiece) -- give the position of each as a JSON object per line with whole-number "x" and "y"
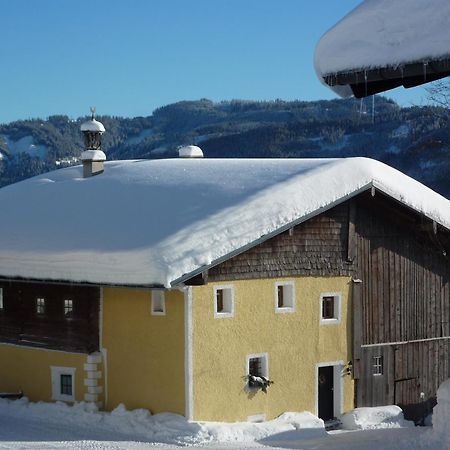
{"x": 338, "y": 386}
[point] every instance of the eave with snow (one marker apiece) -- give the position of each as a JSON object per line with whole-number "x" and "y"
{"x": 384, "y": 44}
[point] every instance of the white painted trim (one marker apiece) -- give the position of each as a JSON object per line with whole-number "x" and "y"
{"x": 100, "y": 320}
{"x": 337, "y": 308}
{"x": 152, "y": 309}
{"x": 105, "y": 371}
{"x": 230, "y": 313}
{"x": 338, "y": 387}
{"x": 42, "y": 349}
{"x": 284, "y": 309}
{"x": 265, "y": 365}
{"x": 55, "y": 373}
{"x": 188, "y": 354}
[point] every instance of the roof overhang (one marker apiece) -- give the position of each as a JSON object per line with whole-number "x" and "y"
{"x": 365, "y": 82}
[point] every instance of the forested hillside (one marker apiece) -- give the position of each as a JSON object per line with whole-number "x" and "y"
{"x": 415, "y": 139}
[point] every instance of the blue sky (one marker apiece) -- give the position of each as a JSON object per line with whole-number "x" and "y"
{"x": 128, "y": 57}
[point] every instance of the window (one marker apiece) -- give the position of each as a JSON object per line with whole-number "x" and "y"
{"x": 330, "y": 308}
{"x": 377, "y": 365}
{"x": 40, "y": 306}
{"x": 257, "y": 366}
{"x": 2, "y": 307}
{"x": 223, "y": 301}
{"x": 158, "y": 303}
{"x": 284, "y": 297}
{"x": 68, "y": 308}
{"x": 66, "y": 384}
{"x": 63, "y": 383}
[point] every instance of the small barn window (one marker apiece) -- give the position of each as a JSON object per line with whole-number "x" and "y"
{"x": 2, "y": 306}
{"x": 66, "y": 384}
{"x": 284, "y": 297}
{"x": 223, "y": 301}
{"x": 330, "y": 308}
{"x": 40, "y": 306}
{"x": 158, "y": 303}
{"x": 63, "y": 383}
{"x": 377, "y": 365}
{"x": 68, "y": 308}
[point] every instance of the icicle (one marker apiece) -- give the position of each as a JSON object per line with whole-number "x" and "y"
{"x": 365, "y": 82}
{"x": 425, "y": 64}
{"x": 360, "y": 108}
{"x": 373, "y": 108}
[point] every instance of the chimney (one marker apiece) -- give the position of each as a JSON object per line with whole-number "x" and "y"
{"x": 190, "y": 151}
{"x": 93, "y": 158}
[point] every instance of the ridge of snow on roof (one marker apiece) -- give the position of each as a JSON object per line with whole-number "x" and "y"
{"x": 385, "y": 33}
{"x": 149, "y": 222}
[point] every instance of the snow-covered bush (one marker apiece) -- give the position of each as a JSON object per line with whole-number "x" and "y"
{"x": 260, "y": 382}
{"x": 375, "y": 417}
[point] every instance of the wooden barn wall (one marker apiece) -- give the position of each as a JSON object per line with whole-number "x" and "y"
{"x": 404, "y": 296}
{"x": 317, "y": 247}
{"x": 21, "y": 325}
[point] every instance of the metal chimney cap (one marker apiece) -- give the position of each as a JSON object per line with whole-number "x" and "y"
{"x": 190, "y": 151}
{"x": 92, "y": 125}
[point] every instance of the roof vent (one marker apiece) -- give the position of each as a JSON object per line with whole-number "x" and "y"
{"x": 190, "y": 151}
{"x": 93, "y": 158}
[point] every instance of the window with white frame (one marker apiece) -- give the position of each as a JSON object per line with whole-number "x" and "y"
{"x": 330, "y": 307}
{"x": 68, "y": 308}
{"x": 377, "y": 366}
{"x": 257, "y": 366}
{"x": 284, "y": 297}
{"x": 40, "y": 306}
{"x": 223, "y": 301}
{"x": 2, "y": 306}
{"x": 158, "y": 303}
{"x": 63, "y": 383}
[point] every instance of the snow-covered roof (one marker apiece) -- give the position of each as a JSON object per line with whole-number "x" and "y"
{"x": 152, "y": 222}
{"x": 93, "y": 155}
{"x": 385, "y": 33}
{"x": 92, "y": 125}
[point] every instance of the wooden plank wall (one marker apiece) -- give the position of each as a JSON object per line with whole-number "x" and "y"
{"x": 405, "y": 296}
{"x": 21, "y": 325}
{"x": 317, "y": 247}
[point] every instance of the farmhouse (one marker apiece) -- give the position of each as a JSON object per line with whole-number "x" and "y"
{"x": 224, "y": 289}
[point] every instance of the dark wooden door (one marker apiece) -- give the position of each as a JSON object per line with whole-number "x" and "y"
{"x": 326, "y": 394}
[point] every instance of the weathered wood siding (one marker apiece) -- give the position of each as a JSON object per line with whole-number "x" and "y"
{"x": 317, "y": 247}
{"x": 405, "y": 296}
{"x": 20, "y": 324}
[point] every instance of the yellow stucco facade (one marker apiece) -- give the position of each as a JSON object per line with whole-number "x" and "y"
{"x": 29, "y": 370}
{"x": 295, "y": 343}
{"x": 144, "y": 353}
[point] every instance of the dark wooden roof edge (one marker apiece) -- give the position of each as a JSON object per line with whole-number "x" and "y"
{"x": 78, "y": 283}
{"x": 372, "y": 185}
{"x": 365, "y": 82}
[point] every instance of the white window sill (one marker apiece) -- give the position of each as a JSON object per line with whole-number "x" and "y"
{"x": 330, "y": 321}
{"x": 284, "y": 310}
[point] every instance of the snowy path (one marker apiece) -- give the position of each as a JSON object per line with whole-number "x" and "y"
{"x": 23, "y": 433}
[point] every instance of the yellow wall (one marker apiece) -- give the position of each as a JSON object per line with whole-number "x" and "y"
{"x": 145, "y": 353}
{"x": 295, "y": 343}
{"x": 28, "y": 370}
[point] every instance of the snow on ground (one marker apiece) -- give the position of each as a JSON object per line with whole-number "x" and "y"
{"x": 375, "y": 418}
{"x": 161, "y": 219}
{"x": 50, "y": 426}
{"x": 381, "y": 33}
{"x": 25, "y": 145}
